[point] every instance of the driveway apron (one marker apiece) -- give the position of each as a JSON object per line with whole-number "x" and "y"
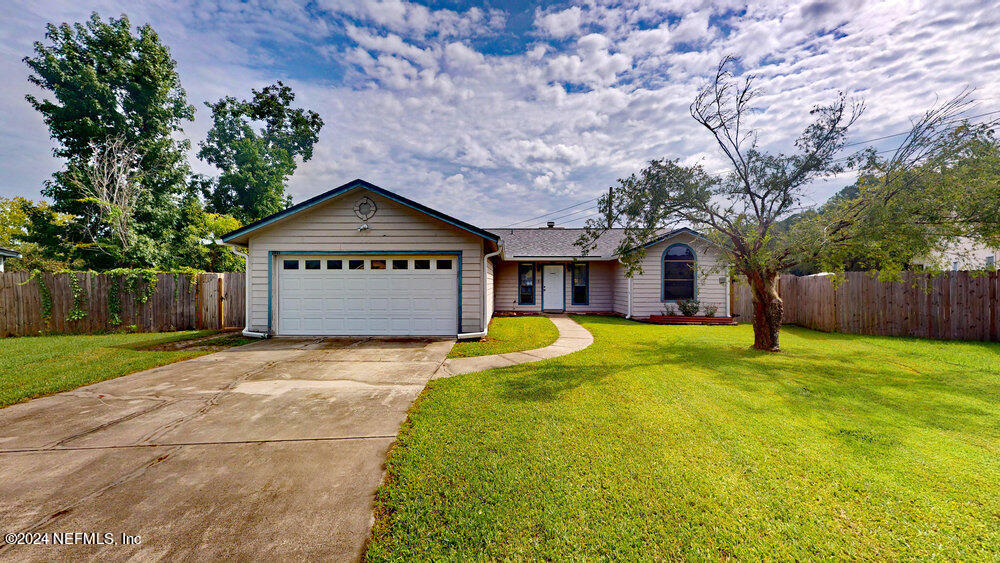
{"x": 269, "y": 450}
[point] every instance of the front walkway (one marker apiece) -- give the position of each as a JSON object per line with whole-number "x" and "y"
{"x": 572, "y": 338}
{"x": 267, "y": 451}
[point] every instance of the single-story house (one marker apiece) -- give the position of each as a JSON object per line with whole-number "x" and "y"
{"x": 6, "y": 253}
{"x": 362, "y": 260}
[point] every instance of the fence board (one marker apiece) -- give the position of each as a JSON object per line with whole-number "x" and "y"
{"x": 954, "y": 306}
{"x": 174, "y": 305}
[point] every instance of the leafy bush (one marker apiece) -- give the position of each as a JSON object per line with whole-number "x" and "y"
{"x": 711, "y": 310}
{"x": 668, "y": 311}
{"x": 689, "y": 307}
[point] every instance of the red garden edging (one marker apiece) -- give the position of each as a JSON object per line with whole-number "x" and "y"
{"x": 679, "y": 320}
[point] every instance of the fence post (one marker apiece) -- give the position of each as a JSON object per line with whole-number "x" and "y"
{"x": 994, "y": 305}
{"x": 222, "y": 296}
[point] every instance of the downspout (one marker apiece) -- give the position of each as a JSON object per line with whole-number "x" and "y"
{"x": 246, "y": 298}
{"x": 628, "y": 315}
{"x": 482, "y": 333}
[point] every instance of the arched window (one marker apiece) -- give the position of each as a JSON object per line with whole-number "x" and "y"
{"x": 678, "y": 272}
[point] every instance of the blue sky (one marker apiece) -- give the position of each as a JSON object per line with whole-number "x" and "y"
{"x": 502, "y": 111}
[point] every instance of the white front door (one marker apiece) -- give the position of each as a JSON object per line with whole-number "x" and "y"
{"x": 552, "y": 288}
{"x": 337, "y": 295}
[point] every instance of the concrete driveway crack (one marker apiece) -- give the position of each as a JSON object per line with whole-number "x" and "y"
{"x": 66, "y": 509}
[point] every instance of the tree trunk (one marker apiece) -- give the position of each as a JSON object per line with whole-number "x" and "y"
{"x": 767, "y": 310}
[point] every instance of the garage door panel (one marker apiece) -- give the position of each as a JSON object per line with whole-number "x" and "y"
{"x": 367, "y": 302}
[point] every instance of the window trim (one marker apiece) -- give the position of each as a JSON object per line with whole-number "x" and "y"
{"x": 663, "y": 273}
{"x": 586, "y": 283}
{"x": 534, "y": 285}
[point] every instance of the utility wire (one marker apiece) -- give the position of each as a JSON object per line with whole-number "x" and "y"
{"x": 552, "y": 212}
{"x": 856, "y": 143}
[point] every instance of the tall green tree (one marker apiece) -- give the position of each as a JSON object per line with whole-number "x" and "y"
{"x": 107, "y": 81}
{"x": 196, "y": 243}
{"x": 741, "y": 212}
{"x": 255, "y": 144}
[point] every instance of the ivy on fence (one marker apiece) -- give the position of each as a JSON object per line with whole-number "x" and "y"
{"x": 140, "y": 282}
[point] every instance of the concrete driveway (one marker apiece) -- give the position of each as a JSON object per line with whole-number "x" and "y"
{"x": 269, "y": 450}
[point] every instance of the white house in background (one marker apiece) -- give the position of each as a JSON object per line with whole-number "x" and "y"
{"x": 361, "y": 260}
{"x": 6, "y": 253}
{"x": 963, "y": 254}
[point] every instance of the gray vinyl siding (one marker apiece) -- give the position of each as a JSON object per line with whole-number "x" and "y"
{"x": 490, "y": 288}
{"x": 712, "y": 288}
{"x": 602, "y": 289}
{"x": 506, "y": 289}
{"x": 332, "y": 226}
{"x": 620, "y": 304}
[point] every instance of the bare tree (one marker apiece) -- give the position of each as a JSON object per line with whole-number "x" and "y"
{"x": 111, "y": 182}
{"x": 740, "y": 211}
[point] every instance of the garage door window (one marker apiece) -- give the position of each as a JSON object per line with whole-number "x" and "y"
{"x": 290, "y": 264}
{"x": 421, "y": 264}
{"x": 356, "y": 264}
{"x": 312, "y": 264}
{"x": 400, "y": 264}
{"x": 334, "y": 264}
{"x": 378, "y": 264}
{"x": 444, "y": 264}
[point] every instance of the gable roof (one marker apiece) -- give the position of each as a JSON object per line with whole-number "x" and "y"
{"x": 667, "y": 235}
{"x": 8, "y": 253}
{"x": 353, "y": 185}
{"x": 547, "y": 243}
{"x": 556, "y": 243}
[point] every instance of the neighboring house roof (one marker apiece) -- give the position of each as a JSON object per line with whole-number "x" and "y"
{"x": 8, "y": 253}
{"x": 240, "y": 233}
{"x": 556, "y": 242}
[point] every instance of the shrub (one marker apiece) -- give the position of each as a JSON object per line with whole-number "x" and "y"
{"x": 711, "y": 310}
{"x": 668, "y": 311}
{"x": 688, "y": 307}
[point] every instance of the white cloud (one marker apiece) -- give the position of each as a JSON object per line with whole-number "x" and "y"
{"x": 559, "y": 24}
{"x": 414, "y": 101}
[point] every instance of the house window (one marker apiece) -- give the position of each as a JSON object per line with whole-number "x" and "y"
{"x": 581, "y": 284}
{"x": 991, "y": 261}
{"x": 312, "y": 264}
{"x": 290, "y": 264}
{"x": 421, "y": 264}
{"x": 678, "y": 273}
{"x": 526, "y": 284}
{"x": 334, "y": 264}
{"x": 444, "y": 264}
{"x": 400, "y": 264}
{"x": 378, "y": 264}
{"x": 356, "y": 264}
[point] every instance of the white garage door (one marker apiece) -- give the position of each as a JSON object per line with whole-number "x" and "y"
{"x": 367, "y": 295}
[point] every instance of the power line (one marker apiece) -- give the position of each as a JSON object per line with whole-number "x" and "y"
{"x": 907, "y": 131}
{"x": 552, "y": 212}
{"x": 577, "y": 212}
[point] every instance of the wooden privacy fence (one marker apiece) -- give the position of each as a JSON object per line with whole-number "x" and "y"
{"x": 952, "y": 306}
{"x": 213, "y": 301}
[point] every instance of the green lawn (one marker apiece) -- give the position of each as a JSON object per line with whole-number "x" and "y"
{"x": 670, "y": 442}
{"x": 32, "y": 366}
{"x": 509, "y": 334}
